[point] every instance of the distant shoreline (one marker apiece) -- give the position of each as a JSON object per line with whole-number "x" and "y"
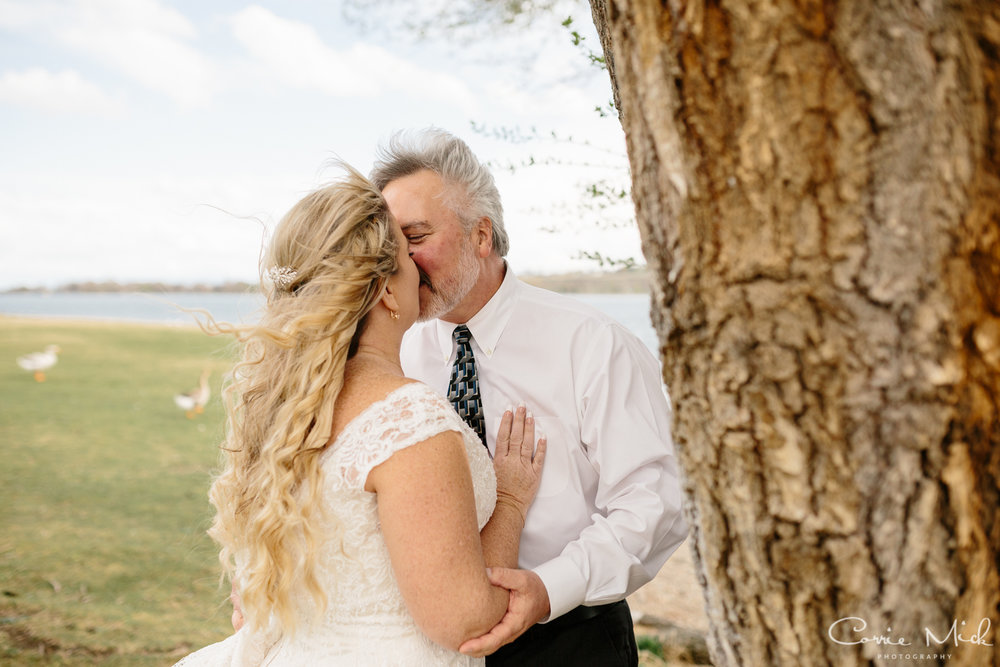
{"x": 111, "y": 287}
{"x": 626, "y": 281}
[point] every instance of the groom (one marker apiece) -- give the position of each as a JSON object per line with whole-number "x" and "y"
{"x": 608, "y": 513}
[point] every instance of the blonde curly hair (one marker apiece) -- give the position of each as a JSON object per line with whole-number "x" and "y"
{"x": 333, "y": 251}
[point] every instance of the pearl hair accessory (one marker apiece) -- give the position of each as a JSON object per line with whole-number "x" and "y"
{"x": 282, "y": 276}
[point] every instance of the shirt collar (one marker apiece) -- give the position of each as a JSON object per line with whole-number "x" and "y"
{"x": 489, "y": 323}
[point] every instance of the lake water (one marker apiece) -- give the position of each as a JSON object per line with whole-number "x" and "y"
{"x": 632, "y": 310}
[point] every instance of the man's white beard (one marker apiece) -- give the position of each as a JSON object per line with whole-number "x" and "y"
{"x": 449, "y": 292}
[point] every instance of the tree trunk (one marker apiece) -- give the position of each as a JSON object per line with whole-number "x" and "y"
{"x": 817, "y": 186}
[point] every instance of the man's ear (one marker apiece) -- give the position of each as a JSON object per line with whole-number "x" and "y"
{"x": 484, "y": 237}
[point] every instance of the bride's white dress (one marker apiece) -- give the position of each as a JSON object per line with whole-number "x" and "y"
{"x": 366, "y": 621}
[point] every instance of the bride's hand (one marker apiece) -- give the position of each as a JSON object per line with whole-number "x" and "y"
{"x": 518, "y": 459}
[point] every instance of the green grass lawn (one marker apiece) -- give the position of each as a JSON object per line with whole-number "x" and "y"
{"x": 103, "y": 495}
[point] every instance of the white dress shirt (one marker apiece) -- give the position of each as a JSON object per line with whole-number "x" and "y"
{"x": 608, "y": 511}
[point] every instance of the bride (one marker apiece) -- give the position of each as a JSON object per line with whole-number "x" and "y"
{"x": 357, "y": 513}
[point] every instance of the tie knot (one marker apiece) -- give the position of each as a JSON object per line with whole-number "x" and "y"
{"x": 462, "y": 334}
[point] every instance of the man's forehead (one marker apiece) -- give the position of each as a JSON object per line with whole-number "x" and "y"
{"x": 408, "y": 199}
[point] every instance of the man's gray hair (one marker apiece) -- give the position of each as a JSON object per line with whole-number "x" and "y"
{"x": 450, "y": 158}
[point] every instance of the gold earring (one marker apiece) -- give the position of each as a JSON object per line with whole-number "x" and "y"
{"x": 394, "y": 314}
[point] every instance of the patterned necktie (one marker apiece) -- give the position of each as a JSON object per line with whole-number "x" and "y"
{"x": 463, "y": 390}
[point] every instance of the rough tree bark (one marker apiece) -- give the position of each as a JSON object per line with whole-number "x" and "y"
{"x": 817, "y": 186}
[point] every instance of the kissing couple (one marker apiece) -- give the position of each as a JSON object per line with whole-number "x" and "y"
{"x": 428, "y": 461}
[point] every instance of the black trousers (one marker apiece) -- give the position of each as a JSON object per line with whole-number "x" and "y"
{"x": 585, "y": 637}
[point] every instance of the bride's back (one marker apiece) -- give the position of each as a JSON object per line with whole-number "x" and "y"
{"x": 366, "y": 617}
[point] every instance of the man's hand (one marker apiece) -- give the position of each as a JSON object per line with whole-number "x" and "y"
{"x": 237, "y": 618}
{"x": 529, "y": 603}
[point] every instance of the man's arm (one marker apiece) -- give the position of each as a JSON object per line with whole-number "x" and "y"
{"x": 625, "y": 422}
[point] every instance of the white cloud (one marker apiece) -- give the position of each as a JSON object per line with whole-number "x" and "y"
{"x": 295, "y": 54}
{"x": 400, "y": 75}
{"x": 20, "y": 15}
{"x": 145, "y": 15}
{"x": 56, "y": 92}
{"x": 145, "y": 41}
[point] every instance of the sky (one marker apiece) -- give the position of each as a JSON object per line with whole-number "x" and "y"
{"x": 161, "y": 140}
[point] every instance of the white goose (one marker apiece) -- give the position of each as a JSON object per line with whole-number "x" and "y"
{"x": 193, "y": 402}
{"x": 39, "y": 362}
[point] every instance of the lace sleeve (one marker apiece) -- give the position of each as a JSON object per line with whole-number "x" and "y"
{"x": 408, "y": 415}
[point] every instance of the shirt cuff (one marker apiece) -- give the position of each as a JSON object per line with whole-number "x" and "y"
{"x": 564, "y": 584}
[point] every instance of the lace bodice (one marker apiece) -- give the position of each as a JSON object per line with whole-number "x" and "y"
{"x": 357, "y": 562}
{"x": 366, "y": 621}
